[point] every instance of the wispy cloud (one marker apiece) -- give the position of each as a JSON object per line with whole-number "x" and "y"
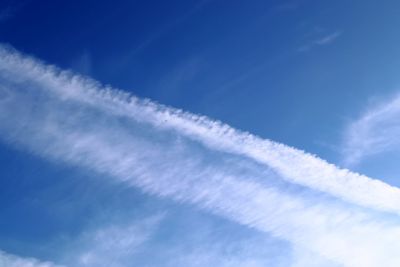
{"x": 321, "y": 40}
{"x": 328, "y": 38}
{"x": 112, "y": 245}
{"x": 293, "y": 165}
{"x": 304, "y": 258}
{"x": 246, "y": 253}
{"x": 185, "y": 157}
{"x": 375, "y": 132}
{"x": 108, "y": 245}
{"x": 9, "y": 260}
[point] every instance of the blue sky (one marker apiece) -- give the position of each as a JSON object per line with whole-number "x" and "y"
{"x": 199, "y": 133}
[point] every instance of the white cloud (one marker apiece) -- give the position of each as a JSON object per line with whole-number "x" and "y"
{"x": 214, "y": 256}
{"x": 328, "y": 38}
{"x": 375, "y": 132}
{"x": 110, "y": 245}
{"x": 113, "y": 245}
{"x": 322, "y": 40}
{"x": 64, "y": 117}
{"x": 9, "y": 260}
{"x": 292, "y": 164}
{"x": 304, "y": 258}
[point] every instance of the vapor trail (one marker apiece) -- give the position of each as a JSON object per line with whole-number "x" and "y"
{"x": 71, "y": 119}
{"x": 292, "y": 164}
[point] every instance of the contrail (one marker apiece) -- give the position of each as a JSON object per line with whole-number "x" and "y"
{"x": 71, "y": 119}
{"x": 292, "y": 164}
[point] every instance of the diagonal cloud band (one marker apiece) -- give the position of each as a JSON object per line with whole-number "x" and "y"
{"x": 72, "y": 119}
{"x": 292, "y": 164}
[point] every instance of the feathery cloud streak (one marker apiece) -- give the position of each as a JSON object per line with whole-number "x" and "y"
{"x": 376, "y": 131}
{"x": 328, "y": 39}
{"x": 292, "y": 164}
{"x": 321, "y": 41}
{"x": 112, "y": 245}
{"x": 67, "y": 118}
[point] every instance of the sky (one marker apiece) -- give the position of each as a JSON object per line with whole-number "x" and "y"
{"x": 199, "y": 133}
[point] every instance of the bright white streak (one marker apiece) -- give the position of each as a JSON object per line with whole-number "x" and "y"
{"x": 292, "y": 164}
{"x": 65, "y": 118}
